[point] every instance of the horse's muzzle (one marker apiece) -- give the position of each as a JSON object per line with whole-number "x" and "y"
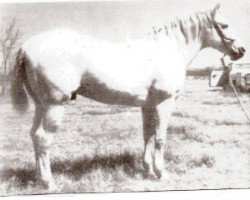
{"x": 239, "y": 53}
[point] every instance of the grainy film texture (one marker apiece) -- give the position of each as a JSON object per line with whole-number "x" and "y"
{"x": 123, "y": 96}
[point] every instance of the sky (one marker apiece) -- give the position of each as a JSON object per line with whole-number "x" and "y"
{"x": 118, "y": 21}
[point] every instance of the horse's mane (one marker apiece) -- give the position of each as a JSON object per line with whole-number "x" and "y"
{"x": 190, "y": 27}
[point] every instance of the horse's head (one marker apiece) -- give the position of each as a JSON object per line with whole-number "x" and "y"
{"x": 220, "y": 36}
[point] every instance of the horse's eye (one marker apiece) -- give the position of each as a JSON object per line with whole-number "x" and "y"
{"x": 224, "y": 26}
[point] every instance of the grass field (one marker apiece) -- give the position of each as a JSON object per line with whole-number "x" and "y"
{"x": 99, "y": 147}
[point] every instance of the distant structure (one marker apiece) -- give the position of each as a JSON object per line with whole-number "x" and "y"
{"x": 239, "y": 74}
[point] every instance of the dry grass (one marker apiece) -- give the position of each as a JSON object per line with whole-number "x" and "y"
{"x": 99, "y": 147}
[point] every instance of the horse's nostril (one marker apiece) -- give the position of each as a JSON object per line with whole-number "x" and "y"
{"x": 242, "y": 50}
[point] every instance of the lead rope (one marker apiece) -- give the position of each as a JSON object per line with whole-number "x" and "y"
{"x": 235, "y": 92}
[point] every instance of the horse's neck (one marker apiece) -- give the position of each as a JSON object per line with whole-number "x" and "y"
{"x": 187, "y": 37}
{"x": 190, "y": 51}
{"x": 188, "y": 46}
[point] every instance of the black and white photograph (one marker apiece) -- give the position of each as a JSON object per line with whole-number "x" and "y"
{"x": 124, "y": 96}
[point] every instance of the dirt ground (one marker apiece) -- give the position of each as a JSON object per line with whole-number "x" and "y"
{"x": 99, "y": 147}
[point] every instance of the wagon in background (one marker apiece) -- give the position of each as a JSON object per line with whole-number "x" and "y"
{"x": 238, "y": 72}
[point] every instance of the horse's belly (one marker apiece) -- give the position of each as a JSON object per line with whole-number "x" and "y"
{"x": 126, "y": 87}
{"x": 134, "y": 72}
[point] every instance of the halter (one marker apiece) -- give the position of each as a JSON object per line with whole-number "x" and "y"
{"x": 227, "y": 42}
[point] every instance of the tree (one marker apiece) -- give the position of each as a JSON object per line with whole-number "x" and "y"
{"x": 10, "y": 35}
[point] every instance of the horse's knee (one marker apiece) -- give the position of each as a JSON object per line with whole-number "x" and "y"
{"x": 53, "y": 118}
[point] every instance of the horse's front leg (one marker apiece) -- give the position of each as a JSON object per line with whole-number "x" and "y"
{"x": 148, "y": 115}
{"x": 163, "y": 112}
{"x": 155, "y": 122}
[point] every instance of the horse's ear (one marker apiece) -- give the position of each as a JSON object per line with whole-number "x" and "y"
{"x": 216, "y": 8}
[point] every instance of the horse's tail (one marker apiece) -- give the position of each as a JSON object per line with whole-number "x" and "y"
{"x": 19, "y": 95}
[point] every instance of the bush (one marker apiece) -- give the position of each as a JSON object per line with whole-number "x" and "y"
{"x": 205, "y": 72}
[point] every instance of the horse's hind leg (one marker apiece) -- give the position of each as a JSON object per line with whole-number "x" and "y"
{"x": 41, "y": 141}
{"x": 46, "y": 120}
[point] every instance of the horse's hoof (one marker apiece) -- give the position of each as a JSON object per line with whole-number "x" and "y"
{"x": 148, "y": 174}
{"x": 163, "y": 176}
{"x": 50, "y": 186}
